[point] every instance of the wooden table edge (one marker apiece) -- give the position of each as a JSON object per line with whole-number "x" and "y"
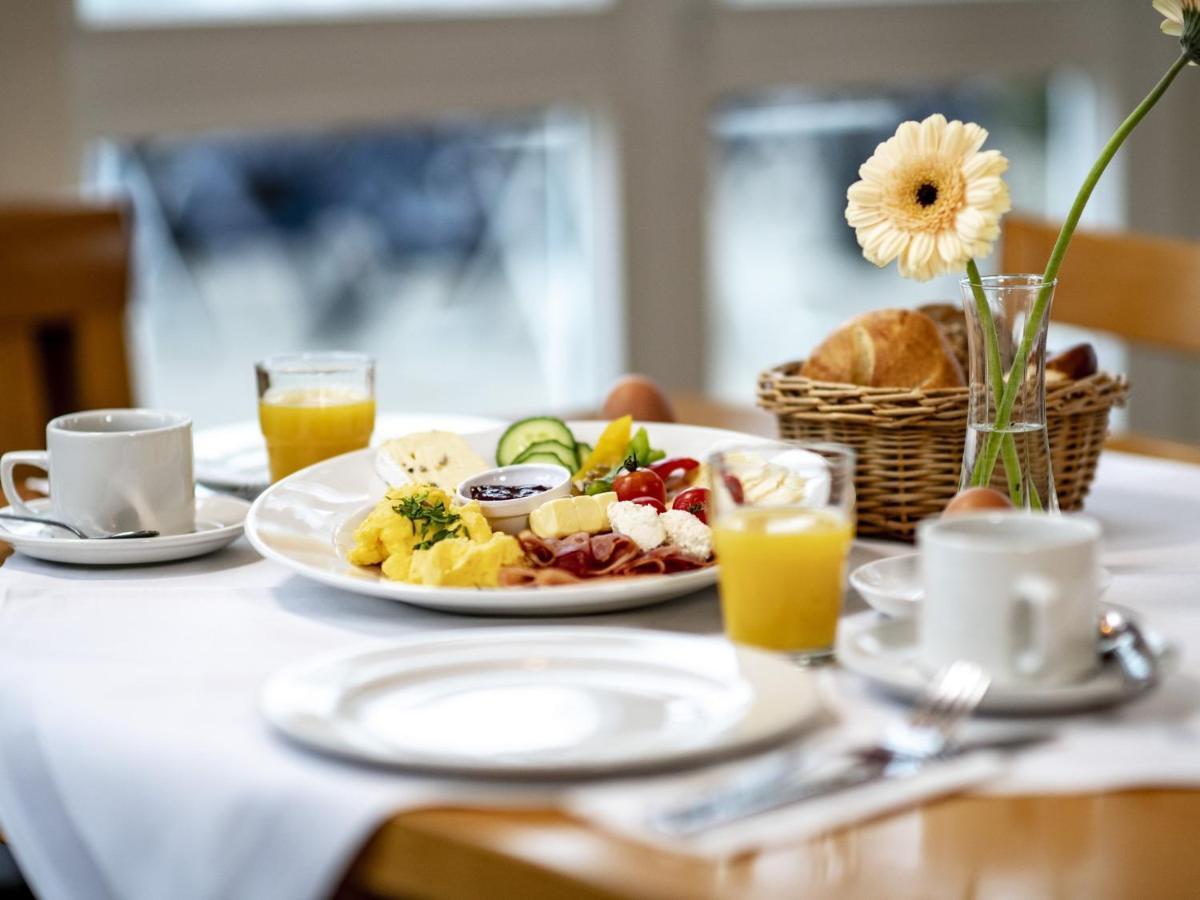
{"x": 1099, "y": 843}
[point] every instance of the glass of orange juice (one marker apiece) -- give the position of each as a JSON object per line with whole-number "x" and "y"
{"x": 312, "y": 406}
{"x": 783, "y": 521}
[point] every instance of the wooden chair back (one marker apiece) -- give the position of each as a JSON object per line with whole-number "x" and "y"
{"x": 1143, "y": 289}
{"x": 64, "y": 284}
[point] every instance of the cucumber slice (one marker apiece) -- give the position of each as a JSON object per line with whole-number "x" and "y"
{"x": 564, "y": 454}
{"x": 546, "y": 458}
{"x": 582, "y": 452}
{"x": 520, "y": 436}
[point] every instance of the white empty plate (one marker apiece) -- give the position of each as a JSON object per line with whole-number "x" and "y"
{"x": 892, "y": 585}
{"x": 543, "y": 702}
{"x": 885, "y": 653}
{"x": 218, "y": 523}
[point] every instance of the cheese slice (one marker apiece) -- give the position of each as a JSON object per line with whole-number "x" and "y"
{"x": 441, "y": 458}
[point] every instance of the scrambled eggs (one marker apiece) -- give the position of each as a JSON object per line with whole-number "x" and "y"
{"x": 419, "y": 537}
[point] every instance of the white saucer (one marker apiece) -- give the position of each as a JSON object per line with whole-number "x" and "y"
{"x": 218, "y": 522}
{"x": 892, "y": 585}
{"x": 885, "y": 653}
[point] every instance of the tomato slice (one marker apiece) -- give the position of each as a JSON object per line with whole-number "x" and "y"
{"x": 734, "y": 485}
{"x": 655, "y": 504}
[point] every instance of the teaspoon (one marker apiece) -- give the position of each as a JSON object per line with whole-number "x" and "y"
{"x": 1123, "y": 640}
{"x": 79, "y": 534}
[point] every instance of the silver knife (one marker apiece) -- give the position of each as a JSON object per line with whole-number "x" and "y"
{"x": 727, "y": 805}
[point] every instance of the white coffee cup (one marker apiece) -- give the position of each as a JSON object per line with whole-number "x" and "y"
{"x": 114, "y": 470}
{"x": 1012, "y": 592}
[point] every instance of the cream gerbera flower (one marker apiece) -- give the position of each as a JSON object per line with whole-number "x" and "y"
{"x": 929, "y": 198}
{"x": 1182, "y": 20}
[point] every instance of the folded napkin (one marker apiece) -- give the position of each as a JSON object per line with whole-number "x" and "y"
{"x": 626, "y": 808}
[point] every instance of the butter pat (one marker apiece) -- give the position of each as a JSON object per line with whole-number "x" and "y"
{"x": 571, "y": 515}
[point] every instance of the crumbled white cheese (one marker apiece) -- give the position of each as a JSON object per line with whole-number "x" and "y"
{"x": 687, "y": 533}
{"x": 639, "y": 522}
{"x": 795, "y": 477}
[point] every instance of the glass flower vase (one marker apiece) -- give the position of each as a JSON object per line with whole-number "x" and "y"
{"x": 1007, "y": 444}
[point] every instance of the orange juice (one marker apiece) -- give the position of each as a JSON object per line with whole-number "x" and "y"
{"x": 782, "y": 570}
{"x": 308, "y": 425}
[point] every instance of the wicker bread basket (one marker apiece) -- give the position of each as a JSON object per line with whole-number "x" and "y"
{"x": 910, "y": 442}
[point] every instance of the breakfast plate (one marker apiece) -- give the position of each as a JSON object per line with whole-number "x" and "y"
{"x": 885, "y": 653}
{"x": 233, "y": 458}
{"x": 543, "y": 702}
{"x": 306, "y": 523}
{"x": 892, "y": 585}
{"x": 218, "y": 523}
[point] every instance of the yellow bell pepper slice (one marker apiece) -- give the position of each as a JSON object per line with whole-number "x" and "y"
{"x": 609, "y": 451}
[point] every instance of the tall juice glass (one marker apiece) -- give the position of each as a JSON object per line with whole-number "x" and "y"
{"x": 783, "y": 522}
{"x": 312, "y": 406}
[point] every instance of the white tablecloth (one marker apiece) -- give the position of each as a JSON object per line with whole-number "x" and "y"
{"x": 133, "y": 763}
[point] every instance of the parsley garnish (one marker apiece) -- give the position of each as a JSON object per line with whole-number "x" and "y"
{"x": 429, "y": 517}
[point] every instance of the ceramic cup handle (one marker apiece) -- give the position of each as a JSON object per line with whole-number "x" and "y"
{"x": 39, "y": 459}
{"x": 1035, "y": 598}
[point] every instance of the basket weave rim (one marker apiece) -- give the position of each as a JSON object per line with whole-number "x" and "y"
{"x": 790, "y": 371}
{"x": 781, "y": 390}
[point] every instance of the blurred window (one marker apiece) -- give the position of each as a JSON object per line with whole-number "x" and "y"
{"x": 453, "y": 253}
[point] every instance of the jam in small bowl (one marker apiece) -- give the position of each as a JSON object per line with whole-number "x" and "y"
{"x": 507, "y": 495}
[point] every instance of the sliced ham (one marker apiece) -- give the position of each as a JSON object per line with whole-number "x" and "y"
{"x": 539, "y": 550}
{"x": 595, "y": 556}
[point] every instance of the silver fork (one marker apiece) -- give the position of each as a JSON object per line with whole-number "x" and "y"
{"x": 926, "y": 736}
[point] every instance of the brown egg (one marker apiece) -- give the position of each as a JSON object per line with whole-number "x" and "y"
{"x": 977, "y": 499}
{"x": 640, "y": 397}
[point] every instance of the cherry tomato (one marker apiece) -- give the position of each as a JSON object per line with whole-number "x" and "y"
{"x": 642, "y": 483}
{"x": 676, "y": 465}
{"x": 734, "y": 485}
{"x": 653, "y": 502}
{"x": 695, "y": 501}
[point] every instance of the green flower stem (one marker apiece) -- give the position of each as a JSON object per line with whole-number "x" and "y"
{"x": 992, "y": 445}
{"x": 995, "y": 366}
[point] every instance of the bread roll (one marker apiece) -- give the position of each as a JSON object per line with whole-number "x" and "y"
{"x": 897, "y": 348}
{"x": 953, "y": 322}
{"x": 1072, "y": 364}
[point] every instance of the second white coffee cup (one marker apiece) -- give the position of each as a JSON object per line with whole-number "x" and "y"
{"x": 114, "y": 470}
{"x": 1012, "y": 592}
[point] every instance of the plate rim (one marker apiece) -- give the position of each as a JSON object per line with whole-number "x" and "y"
{"x": 798, "y": 716}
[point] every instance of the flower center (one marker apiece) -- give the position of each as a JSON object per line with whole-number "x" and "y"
{"x": 1190, "y": 39}
{"x": 926, "y": 195}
